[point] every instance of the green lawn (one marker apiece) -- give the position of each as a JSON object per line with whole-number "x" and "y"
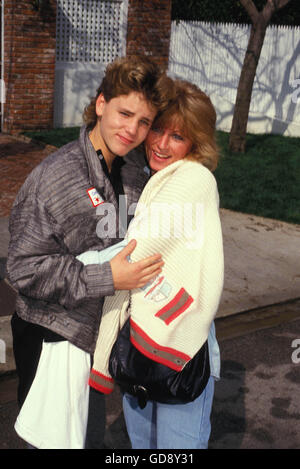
{"x": 56, "y": 137}
{"x": 264, "y": 181}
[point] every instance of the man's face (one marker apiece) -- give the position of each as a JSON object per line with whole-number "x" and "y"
{"x": 124, "y": 123}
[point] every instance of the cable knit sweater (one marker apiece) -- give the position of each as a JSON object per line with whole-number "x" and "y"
{"x": 178, "y": 216}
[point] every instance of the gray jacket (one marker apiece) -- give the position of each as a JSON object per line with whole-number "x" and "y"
{"x": 52, "y": 221}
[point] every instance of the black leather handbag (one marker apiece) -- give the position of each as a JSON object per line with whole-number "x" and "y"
{"x": 149, "y": 380}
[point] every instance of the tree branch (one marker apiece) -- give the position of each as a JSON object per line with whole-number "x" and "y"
{"x": 271, "y": 7}
{"x": 250, "y": 9}
{"x": 279, "y": 3}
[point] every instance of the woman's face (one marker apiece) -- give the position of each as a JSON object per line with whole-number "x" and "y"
{"x": 165, "y": 146}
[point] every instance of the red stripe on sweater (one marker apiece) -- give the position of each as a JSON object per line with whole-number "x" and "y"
{"x": 171, "y": 303}
{"x": 155, "y": 345}
{"x": 155, "y": 358}
{"x": 107, "y": 378}
{"x": 98, "y": 387}
{"x": 180, "y": 310}
{"x": 102, "y": 388}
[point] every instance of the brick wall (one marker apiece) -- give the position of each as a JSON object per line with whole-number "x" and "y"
{"x": 149, "y": 29}
{"x": 29, "y": 64}
{"x": 29, "y": 54}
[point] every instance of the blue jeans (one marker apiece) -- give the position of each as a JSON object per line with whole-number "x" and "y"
{"x": 170, "y": 426}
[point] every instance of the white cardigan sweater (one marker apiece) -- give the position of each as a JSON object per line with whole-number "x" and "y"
{"x": 178, "y": 216}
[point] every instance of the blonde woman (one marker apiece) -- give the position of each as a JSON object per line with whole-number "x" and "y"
{"x": 171, "y": 318}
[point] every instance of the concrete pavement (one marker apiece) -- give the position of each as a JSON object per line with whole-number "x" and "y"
{"x": 262, "y": 262}
{"x": 256, "y": 404}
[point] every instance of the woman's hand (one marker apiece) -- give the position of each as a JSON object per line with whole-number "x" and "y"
{"x": 127, "y": 275}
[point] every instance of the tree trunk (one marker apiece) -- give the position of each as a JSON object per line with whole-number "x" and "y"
{"x": 237, "y": 141}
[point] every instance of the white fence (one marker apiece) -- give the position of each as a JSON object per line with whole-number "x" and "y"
{"x": 89, "y": 35}
{"x": 211, "y": 56}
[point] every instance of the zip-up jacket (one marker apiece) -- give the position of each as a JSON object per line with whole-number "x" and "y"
{"x": 56, "y": 216}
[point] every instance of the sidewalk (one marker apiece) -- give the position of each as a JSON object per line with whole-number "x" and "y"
{"x": 18, "y": 156}
{"x": 257, "y": 321}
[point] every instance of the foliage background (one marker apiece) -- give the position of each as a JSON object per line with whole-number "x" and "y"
{"x": 230, "y": 11}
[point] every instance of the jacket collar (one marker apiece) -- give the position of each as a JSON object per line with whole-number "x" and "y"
{"x": 134, "y": 171}
{"x": 97, "y": 176}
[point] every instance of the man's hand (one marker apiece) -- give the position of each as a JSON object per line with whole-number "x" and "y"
{"x": 127, "y": 276}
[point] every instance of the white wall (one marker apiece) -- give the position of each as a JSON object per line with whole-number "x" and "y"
{"x": 75, "y": 85}
{"x": 211, "y": 56}
{"x": 90, "y": 34}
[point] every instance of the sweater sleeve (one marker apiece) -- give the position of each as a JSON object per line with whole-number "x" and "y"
{"x": 39, "y": 267}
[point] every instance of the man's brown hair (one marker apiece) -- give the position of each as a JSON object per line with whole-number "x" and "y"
{"x": 131, "y": 74}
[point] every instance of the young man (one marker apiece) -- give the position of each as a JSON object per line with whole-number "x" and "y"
{"x": 54, "y": 219}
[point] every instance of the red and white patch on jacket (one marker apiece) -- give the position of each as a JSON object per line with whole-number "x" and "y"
{"x": 181, "y": 301}
{"x": 95, "y": 197}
